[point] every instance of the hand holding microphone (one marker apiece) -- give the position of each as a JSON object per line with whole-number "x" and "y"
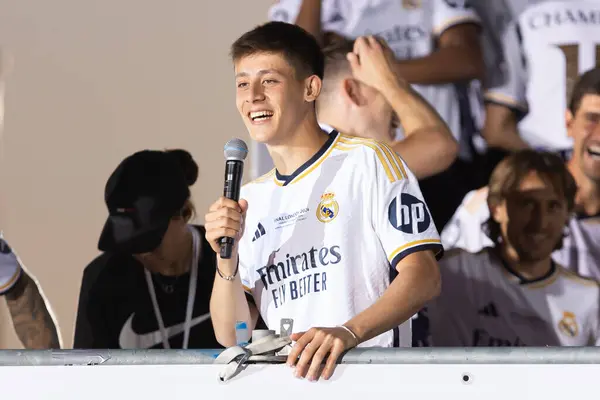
{"x": 225, "y": 219}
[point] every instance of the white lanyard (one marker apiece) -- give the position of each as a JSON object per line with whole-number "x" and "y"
{"x": 191, "y": 295}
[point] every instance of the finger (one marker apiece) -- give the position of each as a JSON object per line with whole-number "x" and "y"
{"x": 359, "y": 44}
{"x": 353, "y": 60}
{"x": 301, "y": 342}
{"x": 243, "y": 205}
{"x": 304, "y": 362}
{"x": 335, "y": 353}
{"x": 317, "y": 359}
{"x": 296, "y": 336}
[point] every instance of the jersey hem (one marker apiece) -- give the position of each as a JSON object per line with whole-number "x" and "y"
{"x": 420, "y": 245}
{"x": 451, "y": 22}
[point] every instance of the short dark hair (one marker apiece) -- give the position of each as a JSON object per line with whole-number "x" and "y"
{"x": 588, "y": 83}
{"x": 509, "y": 173}
{"x": 300, "y": 48}
{"x": 335, "y": 52}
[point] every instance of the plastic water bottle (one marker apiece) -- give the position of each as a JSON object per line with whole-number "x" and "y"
{"x": 242, "y": 336}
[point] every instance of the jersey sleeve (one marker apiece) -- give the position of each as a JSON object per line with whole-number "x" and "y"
{"x": 10, "y": 268}
{"x": 401, "y": 218}
{"x": 449, "y": 13}
{"x": 285, "y": 11}
{"x": 508, "y": 84}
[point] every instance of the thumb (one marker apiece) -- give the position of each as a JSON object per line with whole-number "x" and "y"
{"x": 243, "y": 205}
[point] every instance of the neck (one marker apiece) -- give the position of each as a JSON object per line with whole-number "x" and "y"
{"x": 338, "y": 121}
{"x": 184, "y": 250}
{"x": 530, "y": 270}
{"x": 587, "y": 200}
{"x": 299, "y": 146}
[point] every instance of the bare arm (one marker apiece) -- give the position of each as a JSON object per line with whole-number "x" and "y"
{"x": 429, "y": 147}
{"x": 500, "y": 128}
{"x": 459, "y": 58}
{"x": 31, "y": 319}
{"x": 228, "y": 303}
{"x": 417, "y": 283}
{"x": 309, "y": 18}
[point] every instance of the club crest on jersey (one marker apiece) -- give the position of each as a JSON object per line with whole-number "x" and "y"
{"x": 568, "y": 325}
{"x": 328, "y": 208}
{"x": 411, "y": 4}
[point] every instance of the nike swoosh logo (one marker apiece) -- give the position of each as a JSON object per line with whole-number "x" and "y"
{"x": 128, "y": 339}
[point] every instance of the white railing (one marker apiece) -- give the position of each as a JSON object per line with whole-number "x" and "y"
{"x": 427, "y": 373}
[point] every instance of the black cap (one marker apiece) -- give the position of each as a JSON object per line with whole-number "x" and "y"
{"x": 146, "y": 190}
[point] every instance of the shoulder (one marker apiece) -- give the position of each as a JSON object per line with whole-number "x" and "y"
{"x": 374, "y": 156}
{"x": 462, "y": 258}
{"x": 579, "y": 280}
{"x": 106, "y": 269}
{"x": 261, "y": 181}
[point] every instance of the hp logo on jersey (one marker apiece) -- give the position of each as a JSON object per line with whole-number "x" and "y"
{"x": 408, "y": 214}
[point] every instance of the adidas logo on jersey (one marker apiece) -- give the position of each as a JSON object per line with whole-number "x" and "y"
{"x": 260, "y": 231}
{"x": 489, "y": 310}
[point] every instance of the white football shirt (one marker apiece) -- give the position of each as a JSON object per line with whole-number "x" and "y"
{"x": 484, "y": 303}
{"x": 321, "y": 245}
{"x": 411, "y": 28}
{"x": 580, "y": 252}
{"x": 546, "y": 48}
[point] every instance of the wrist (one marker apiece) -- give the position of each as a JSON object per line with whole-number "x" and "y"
{"x": 228, "y": 268}
{"x": 352, "y": 332}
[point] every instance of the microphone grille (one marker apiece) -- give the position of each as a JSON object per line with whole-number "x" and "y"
{"x": 236, "y": 149}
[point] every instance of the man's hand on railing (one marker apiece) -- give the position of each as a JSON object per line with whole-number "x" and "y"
{"x": 314, "y": 345}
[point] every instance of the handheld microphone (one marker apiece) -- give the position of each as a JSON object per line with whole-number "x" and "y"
{"x": 235, "y": 152}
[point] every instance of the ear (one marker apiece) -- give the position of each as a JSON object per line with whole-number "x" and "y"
{"x": 313, "y": 85}
{"x": 569, "y": 119}
{"x": 498, "y": 211}
{"x": 352, "y": 92}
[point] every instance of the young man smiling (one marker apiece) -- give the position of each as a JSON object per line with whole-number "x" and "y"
{"x": 337, "y": 218}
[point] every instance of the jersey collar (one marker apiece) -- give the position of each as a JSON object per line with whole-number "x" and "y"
{"x": 311, "y": 164}
{"x": 514, "y": 276}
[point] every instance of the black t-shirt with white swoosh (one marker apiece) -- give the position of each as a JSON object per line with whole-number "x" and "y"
{"x": 115, "y": 309}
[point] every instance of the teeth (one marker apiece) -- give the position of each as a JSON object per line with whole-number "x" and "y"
{"x": 260, "y": 115}
{"x": 594, "y": 150}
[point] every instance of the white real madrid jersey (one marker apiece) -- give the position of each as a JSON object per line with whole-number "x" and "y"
{"x": 580, "y": 252}
{"x": 546, "y": 48}
{"x": 484, "y": 303}
{"x": 411, "y": 28}
{"x": 321, "y": 245}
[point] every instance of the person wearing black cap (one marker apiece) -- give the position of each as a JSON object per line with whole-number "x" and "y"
{"x": 151, "y": 286}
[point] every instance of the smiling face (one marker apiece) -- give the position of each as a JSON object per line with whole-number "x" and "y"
{"x": 584, "y": 128}
{"x": 532, "y": 218}
{"x": 270, "y": 98}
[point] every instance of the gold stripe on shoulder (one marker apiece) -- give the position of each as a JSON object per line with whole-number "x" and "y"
{"x": 577, "y": 278}
{"x": 396, "y": 158}
{"x": 387, "y": 163}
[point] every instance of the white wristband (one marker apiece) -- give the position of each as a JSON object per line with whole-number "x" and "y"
{"x": 352, "y": 333}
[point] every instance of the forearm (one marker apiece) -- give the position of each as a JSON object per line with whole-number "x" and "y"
{"x": 447, "y": 65}
{"x": 228, "y": 305}
{"x": 415, "y": 285}
{"x": 500, "y": 129}
{"x": 427, "y": 152}
{"x": 31, "y": 319}
{"x": 309, "y": 18}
